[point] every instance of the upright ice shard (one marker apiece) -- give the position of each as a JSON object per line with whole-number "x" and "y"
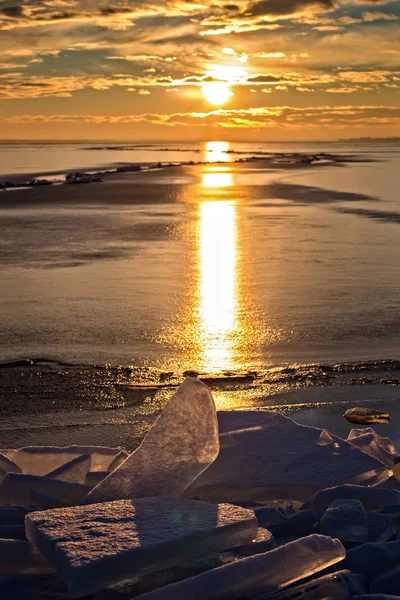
{"x": 265, "y": 456}
{"x": 369, "y": 441}
{"x": 258, "y": 575}
{"x": 182, "y": 443}
{"x": 74, "y": 471}
{"x": 99, "y": 545}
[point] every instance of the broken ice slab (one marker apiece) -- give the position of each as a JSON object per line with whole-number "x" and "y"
{"x": 16, "y": 489}
{"x": 74, "y": 471}
{"x": 13, "y": 515}
{"x": 118, "y": 460}
{"x": 366, "y": 416}
{"x": 40, "y": 460}
{"x": 375, "y": 445}
{"x": 99, "y": 545}
{"x": 42, "y": 501}
{"x": 346, "y": 520}
{"x": 381, "y": 527}
{"x": 270, "y": 517}
{"x": 181, "y": 444}
{"x": 266, "y": 456}
{"x": 263, "y": 542}
{"x": 7, "y": 465}
{"x": 32, "y": 586}
{"x": 373, "y": 559}
{"x": 94, "y": 477}
{"x": 387, "y": 583}
{"x": 340, "y": 585}
{"x": 261, "y": 574}
{"x": 376, "y": 597}
{"x": 370, "y": 498}
{"x": 18, "y": 556}
{"x": 12, "y": 532}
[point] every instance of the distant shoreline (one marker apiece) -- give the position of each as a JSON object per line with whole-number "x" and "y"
{"x": 373, "y": 140}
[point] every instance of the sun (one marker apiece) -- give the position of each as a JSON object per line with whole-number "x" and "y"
{"x": 217, "y": 93}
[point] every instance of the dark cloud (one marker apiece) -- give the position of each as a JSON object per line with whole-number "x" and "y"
{"x": 263, "y": 79}
{"x": 286, "y": 7}
{"x": 11, "y": 10}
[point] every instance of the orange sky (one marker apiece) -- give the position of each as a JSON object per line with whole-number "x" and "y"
{"x": 180, "y": 70}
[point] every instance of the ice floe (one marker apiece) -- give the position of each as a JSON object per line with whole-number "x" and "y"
{"x": 209, "y": 507}
{"x": 97, "y": 545}
{"x": 266, "y": 456}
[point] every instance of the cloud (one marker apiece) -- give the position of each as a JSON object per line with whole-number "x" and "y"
{"x": 369, "y": 17}
{"x": 286, "y": 117}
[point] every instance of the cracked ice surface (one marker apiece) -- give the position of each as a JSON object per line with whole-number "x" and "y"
{"x": 182, "y": 443}
{"x": 97, "y": 545}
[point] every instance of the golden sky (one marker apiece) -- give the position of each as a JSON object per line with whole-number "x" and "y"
{"x": 198, "y": 70}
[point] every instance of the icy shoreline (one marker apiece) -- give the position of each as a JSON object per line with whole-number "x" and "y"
{"x": 211, "y": 506}
{"x": 274, "y": 160}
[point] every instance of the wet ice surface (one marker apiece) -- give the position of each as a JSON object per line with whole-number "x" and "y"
{"x": 275, "y": 225}
{"x": 56, "y": 404}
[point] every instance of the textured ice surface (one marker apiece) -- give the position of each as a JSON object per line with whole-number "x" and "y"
{"x": 381, "y": 527}
{"x": 260, "y": 574}
{"x": 388, "y": 582}
{"x": 370, "y": 498}
{"x": 340, "y": 585}
{"x": 98, "y": 545}
{"x": 373, "y": 559}
{"x": 40, "y": 460}
{"x": 346, "y": 520}
{"x": 375, "y": 445}
{"x": 16, "y": 489}
{"x": 266, "y": 456}
{"x": 74, "y": 471}
{"x": 182, "y": 443}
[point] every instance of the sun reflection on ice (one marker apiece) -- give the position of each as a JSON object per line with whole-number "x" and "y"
{"x": 217, "y": 152}
{"x": 218, "y": 302}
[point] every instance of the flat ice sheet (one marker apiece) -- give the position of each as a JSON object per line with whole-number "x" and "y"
{"x": 98, "y": 545}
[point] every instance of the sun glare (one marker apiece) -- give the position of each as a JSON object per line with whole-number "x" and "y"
{"x": 217, "y": 93}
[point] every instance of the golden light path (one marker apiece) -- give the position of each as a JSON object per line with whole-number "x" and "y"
{"x": 217, "y": 152}
{"x": 218, "y": 255}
